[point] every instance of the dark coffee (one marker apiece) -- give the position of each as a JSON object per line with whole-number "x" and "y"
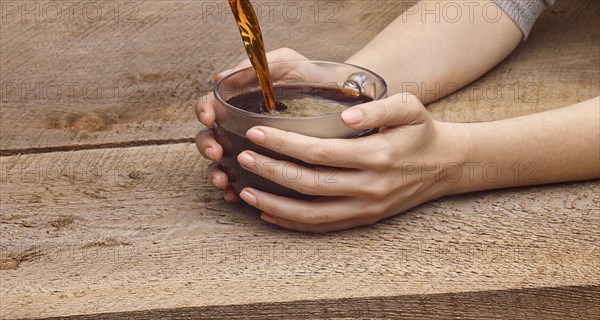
{"x": 293, "y": 101}
{"x": 301, "y": 100}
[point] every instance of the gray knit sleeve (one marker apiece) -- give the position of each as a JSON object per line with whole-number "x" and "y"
{"x": 524, "y": 12}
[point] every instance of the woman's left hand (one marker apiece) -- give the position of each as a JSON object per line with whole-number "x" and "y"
{"x": 412, "y": 159}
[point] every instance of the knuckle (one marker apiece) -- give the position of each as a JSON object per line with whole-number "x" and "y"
{"x": 385, "y": 112}
{"x": 270, "y": 170}
{"x": 219, "y": 180}
{"x": 412, "y": 99}
{"x": 318, "y": 153}
{"x": 413, "y": 111}
{"x": 204, "y": 137}
{"x": 312, "y": 188}
{"x": 204, "y": 103}
{"x": 284, "y": 52}
{"x": 406, "y": 97}
{"x": 198, "y": 110}
{"x": 378, "y": 190}
{"x": 199, "y": 143}
{"x": 269, "y": 207}
{"x": 277, "y": 143}
{"x": 414, "y": 104}
{"x": 371, "y": 220}
{"x": 242, "y": 64}
{"x": 382, "y": 159}
{"x": 316, "y": 218}
{"x": 374, "y": 212}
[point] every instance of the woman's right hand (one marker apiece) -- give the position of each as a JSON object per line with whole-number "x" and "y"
{"x": 205, "y": 111}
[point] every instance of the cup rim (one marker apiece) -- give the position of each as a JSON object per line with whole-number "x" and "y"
{"x": 232, "y": 108}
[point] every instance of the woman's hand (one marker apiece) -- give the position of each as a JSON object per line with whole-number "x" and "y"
{"x": 411, "y": 160}
{"x": 205, "y": 111}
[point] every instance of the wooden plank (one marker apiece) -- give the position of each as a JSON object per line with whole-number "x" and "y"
{"x": 86, "y": 81}
{"x": 164, "y": 59}
{"x": 543, "y": 303}
{"x": 136, "y": 229}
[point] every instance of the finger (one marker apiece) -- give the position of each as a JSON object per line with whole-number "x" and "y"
{"x": 220, "y": 180}
{"x": 322, "y": 228}
{"x": 313, "y": 212}
{"x": 230, "y": 195}
{"x": 281, "y": 54}
{"x": 326, "y": 152}
{"x": 225, "y": 73}
{"x": 284, "y": 54}
{"x": 208, "y": 146}
{"x": 217, "y": 176}
{"x": 205, "y": 110}
{"x": 397, "y": 110}
{"x": 322, "y": 181}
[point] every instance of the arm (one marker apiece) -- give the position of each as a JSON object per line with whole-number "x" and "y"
{"x": 434, "y": 159}
{"x": 412, "y": 54}
{"x": 415, "y": 54}
{"x": 553, "y": 146}
{"x": 413, "y": 158}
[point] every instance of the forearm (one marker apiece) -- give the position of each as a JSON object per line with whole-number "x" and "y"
{"x": 431, "y": 59}
{"x": 554, "y": 146}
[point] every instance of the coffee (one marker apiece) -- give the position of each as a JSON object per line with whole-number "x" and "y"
{"x": 293, "y": 100}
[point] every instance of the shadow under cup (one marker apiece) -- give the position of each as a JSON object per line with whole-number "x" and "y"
{"x": 233, "y": 122}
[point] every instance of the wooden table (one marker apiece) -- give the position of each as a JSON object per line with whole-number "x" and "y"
{"x": 106, "y": 212}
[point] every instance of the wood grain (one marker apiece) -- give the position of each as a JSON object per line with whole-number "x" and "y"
{"x": 148, "y": 68}
{"x": 543, "y": 303}
{"x": 106, "y": 212}
{"x": 152, "y": 67}
{"x": 120, "y": 230}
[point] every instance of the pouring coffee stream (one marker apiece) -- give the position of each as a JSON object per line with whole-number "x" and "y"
{"x": 255, "y": 48}
{"x": 254, "y": 44}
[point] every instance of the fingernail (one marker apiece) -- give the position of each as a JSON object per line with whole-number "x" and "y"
{"x": 209, "y": 153}
{"x": 248, "y": 197}
{"x": 255, "y": 135}
{"x": 202, "y": 117}
{"x": 352, "y": 116}
{"x": 268, "y": 218}
{"x": 245, "y": 159}
{"x": 224, "y": 73}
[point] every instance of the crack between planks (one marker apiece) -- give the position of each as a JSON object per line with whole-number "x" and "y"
{"x": 108, "y": 145}
{"x": 523, "y": 302}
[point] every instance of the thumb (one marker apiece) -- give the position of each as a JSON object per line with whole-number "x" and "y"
{"x": 242, "y": 65}
{"x": 398, "y": 110}
{"x": 223, "y": 75}
{"x": 281, "y": 54}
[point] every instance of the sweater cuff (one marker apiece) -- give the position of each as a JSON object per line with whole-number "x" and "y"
{"x": 524, "y": 12}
